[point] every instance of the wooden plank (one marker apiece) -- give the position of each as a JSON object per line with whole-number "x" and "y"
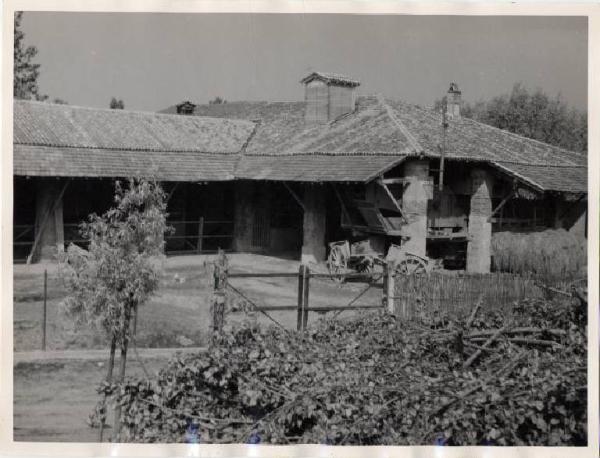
{"x": 263, "y": 275}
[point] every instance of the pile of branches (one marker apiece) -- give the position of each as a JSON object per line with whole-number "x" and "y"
{"x": 505, "y": 378}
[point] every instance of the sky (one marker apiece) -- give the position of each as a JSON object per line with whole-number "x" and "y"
{"x": 154, "y": 60}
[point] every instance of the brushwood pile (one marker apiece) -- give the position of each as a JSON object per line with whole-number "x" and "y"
{"x": 515, "y": 377}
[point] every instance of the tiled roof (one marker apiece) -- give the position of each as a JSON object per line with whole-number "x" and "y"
{"x": 390, "y": 128}
{"x": 63, "y": 140}
{"x": 279, "y": 146}
{"x": 58, "y": 161}
{"x": 331, "y": 78}
{"x": 315, "y": 167}
{"x": 39, "y": 123}
{"x": 572, "y": 179}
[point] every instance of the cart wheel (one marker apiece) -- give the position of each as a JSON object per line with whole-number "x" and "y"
{"x": 411, "y": 265}
{"x": 337, "y": 263}
{"x": 366, "y": 266}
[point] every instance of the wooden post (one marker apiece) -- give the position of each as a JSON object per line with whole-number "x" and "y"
{"x": 200, "y": 233}
{"x": 305, "y": 301}
{"x": 300, "y": 296}
{"x": 384, "y": 290}
{"x": 45, "y": 312}
{"x": 390, "y": 286}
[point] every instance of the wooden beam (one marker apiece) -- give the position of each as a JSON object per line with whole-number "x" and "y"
{"x": 172, "y": 191}
{"x": 295, "y": 196}
{"x": 343, "y": 206}
{"x": 392, "y": 198}
{"x": 400, "y": 180}
{"x": 501, "y": 204}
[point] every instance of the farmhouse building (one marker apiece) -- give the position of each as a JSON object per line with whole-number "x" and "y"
{"x": 290, "y": 177}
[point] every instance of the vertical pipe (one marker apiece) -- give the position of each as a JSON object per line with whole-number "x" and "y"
{"x": 305, "y": 301}
{"x": 45, "y": 312}
{"x": 300, "y": 296}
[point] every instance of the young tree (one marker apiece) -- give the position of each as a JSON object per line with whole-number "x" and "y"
{"x": 116, "y": 104}
{"x": 26, "y": 73}
{"x": 120, "y": 269}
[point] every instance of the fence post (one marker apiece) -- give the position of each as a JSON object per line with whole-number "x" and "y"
{"x": 45, "y": 308}
{"x": 200, "y": 234}
{"x": 220, "y": 279}
{"x": 305, "y": 301}
{"x": 390, "y": 286}
{"x": 300, "y": 296}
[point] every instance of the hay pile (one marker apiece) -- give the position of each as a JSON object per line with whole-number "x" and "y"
{"x": 554, "y": 255}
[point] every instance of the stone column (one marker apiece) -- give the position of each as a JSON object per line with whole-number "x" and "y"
{"x": 480, "y": 228}
{"x": 313, "y": 245}
{"x": 49, "y": 225}
{"x": 243, "y": 215}
{"x": 414, "y": 206}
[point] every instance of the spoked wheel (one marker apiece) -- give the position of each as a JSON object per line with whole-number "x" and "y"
{"x": 411, "y": 265}
{"x": 337, "y": 263}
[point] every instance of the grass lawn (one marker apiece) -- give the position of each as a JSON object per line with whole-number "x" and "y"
{"x": 180, "y": 310}
{"x": 53, "y": 398}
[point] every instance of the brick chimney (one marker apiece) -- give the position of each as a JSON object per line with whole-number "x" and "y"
{"x": 328, "y": 96}
{"x": 454, "y": 100}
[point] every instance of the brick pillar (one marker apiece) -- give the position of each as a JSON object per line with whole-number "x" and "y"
{"x": 49, "y": 225}
{"x": 313, "y": 245}
{"x": 243, "y": 215}
{"x": 480, "y": 229}
{"x": 414, "y": 205}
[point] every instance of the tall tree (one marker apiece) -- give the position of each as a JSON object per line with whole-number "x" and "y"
{"x": 116, "y": 104}
{"x": 26, "y": 73}
{"x": 534, "y": 115}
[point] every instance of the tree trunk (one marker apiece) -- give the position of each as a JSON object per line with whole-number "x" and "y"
{"x": 124, "y": 342}
{"x": 111, "y": 364}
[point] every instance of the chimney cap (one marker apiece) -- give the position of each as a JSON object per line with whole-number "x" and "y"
{"x": 330, "y": 78}
{"x": 454, "y": 88}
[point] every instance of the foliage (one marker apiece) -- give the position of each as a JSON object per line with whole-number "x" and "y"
{"x": 117, "y": 104}
{"x": 371, "y": 380}
{"x": 217, "y": 101}
{"x": 531, "y": 114}
{"x": 550, "y": 256}
{"x": 26, "y": 73}
{"x": 60, "y": 101}
{"x": 120, "y": 269}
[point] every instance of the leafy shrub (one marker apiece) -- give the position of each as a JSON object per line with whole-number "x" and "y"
{"x": 370, "y": 380}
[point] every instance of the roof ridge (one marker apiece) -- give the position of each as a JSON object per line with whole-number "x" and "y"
{"x": 409, "y": 136}
{"x": 112, "y": 110}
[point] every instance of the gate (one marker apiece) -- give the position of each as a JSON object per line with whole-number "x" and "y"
{"x": 302, "y": 307}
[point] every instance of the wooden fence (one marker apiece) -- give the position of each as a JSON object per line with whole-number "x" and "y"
{"x": 455, "y": 295}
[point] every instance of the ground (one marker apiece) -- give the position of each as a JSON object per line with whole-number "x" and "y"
{"x": 55, "y": 390}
